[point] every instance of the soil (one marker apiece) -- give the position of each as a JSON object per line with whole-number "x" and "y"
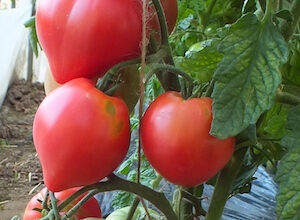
{"x": 20, "y": 170}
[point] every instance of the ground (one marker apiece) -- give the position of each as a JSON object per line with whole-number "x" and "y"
{"x": 20, "y": 171}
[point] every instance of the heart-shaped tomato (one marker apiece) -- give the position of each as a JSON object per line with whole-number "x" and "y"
{"x": 81, "y": 135}
{"x": 84, "y": 38}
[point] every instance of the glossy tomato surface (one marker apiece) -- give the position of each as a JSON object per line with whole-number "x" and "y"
{"x": 89, "y": 209}
{"x": 176, "y": 140}
{"x": 84, "y": 38}
{"x": 81, "y": 135}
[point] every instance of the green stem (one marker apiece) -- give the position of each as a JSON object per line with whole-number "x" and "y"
{"x": 268, "y": 12}
{"x": 210, "y": 88}
{"x": 168, "y": 80}
{"x": 75, "y": 208}
{"x": 195, "y": 201}
{"x": 116, "y": 183}
{"x": 224, "y": 184}
{"x": 162, "y": 22}
{"x": 287, "y": 98}
{"x": 45, "y": 201}
{"x": 133, "y": 207}
{"x": 54, "y": 205}
{"x": 186, "y": 207}
{"x": 112, "y": 90}
{"x": 288, "y": 28}
{"x": 172, "y": 69}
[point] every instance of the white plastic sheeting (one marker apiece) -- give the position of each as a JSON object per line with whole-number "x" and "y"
{"x": 14, "y": 46}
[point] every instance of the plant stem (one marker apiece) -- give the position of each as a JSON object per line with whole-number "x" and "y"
{"x": 195, "y": 201}
{"x": 288, "y": 28}
{"x": 75, "y": 208}
{"x": 168, "y": 80}
{"x": 116, "y": 183}
{"x": 133, "y": 207}
{"x": 54, "y": 205}
{"x": 223, "y": 185}
{"x": 45, "y": 201}
{"x": 171, "y": 69}
{"x": 268, "y": 12}
{"x": 206, "y": 16}
{"x": 186, "y": 207}
{"x": 287, "y": 98}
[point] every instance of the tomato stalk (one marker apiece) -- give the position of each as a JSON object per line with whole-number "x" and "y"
{"x": 287, "y": 98}
{"x": 114, "y": 182}
{"x": 133, "y": 207}
{"x": 54, "y": 205}
{"x": 44, "y": 203}
{"x": 75, "y": 208}
{"x": 186, "y": 207}
{"x": 223, "y": 185}
{"x": 195, "y": 201}
{"x": 168, "y": 80}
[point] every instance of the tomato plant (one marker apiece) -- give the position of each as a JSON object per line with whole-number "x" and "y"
{"x": 231, "y": 52}
{"x": 79, "y": 130}
{"x": 176, "y": 140}
{"x": 89, "y": 209}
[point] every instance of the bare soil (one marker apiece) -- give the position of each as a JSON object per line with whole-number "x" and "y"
{"x": 20, "y": 171}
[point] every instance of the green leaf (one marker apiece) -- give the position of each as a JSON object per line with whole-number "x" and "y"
{"x": 292, "y": 139}
{"x": 248, "y": 76}
{"x": 288, "y": 196}
{"x": 291, "y": 70}
{"x": 274, "y": 122}
{"x": 201, "y": 60}
{"x": 285, "y": 14}
{"x": 30, "y": 22}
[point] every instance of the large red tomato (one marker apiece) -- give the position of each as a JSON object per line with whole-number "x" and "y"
{"x": 89, "y": 209}
{"x": 81, "y": 135}
{"x": 176, "y": 140}
{"x": 85, "y": 38}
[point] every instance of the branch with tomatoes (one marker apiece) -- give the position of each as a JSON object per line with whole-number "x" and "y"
{"x": 100, "y": 67}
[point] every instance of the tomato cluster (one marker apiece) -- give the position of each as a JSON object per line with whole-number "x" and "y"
{"x": 89, "y": 209}
{"x": 81, "y": 134}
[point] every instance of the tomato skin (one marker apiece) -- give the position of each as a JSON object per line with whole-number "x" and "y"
{"x": 80, "y": 134}
{"x": 84, "y": 38}
{"x": 90, "y": 209}
{"x": 176, "y": 140}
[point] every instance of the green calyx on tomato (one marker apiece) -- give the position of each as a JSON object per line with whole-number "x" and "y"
{"x": 90, "y": 209}
{"x": 176, "y": 140}
{"x": 81, "y": 135}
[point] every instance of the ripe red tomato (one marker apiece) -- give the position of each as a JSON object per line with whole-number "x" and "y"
{"x": 81, "y": 135}
{"x": 85, "y": 38}
{"x": 176, "y": 140}
{"x": 89, "y": 209}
